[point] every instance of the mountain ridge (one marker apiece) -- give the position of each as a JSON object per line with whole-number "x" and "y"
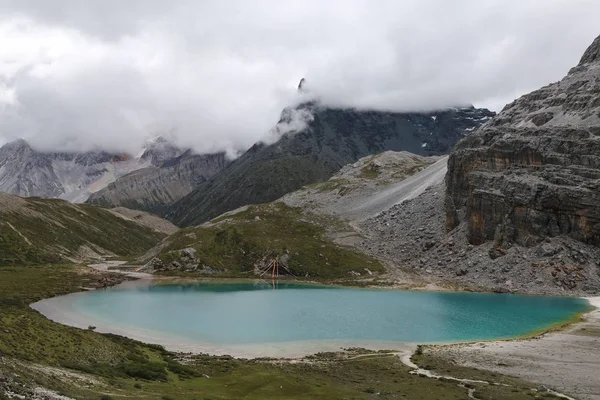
{"x": 331, "y": 139}
{"x": 160, "y": 175}
{"x": 154, "y": 188}
{"x": 71, "y": 176}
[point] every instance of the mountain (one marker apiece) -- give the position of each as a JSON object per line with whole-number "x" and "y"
{"x": 530, "y": 178}
{"x": 67, "y": 175}
{"x": 162, "y": 174}
{"x": 156, "y": 187}
{"x": 329, "y": 139}
{"x": 160, "y": 150}
{"x": 534, "y": 170}
{"x": 303, "y": 227}
{"x": 39, "y": 231}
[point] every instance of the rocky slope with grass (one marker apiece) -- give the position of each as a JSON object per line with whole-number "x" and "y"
{"x": 40, "y": 231}
{"x": 244, "y": 242}
{"x": 312, "y": 230}
{"x": 314, "y": 142}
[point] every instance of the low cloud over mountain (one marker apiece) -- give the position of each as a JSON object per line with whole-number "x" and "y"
{"x": 104, "y": 73}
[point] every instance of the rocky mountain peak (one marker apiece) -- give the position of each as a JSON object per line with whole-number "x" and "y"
{"x": 159, "y": 150}
{"x": 592, "y": 54}
{"x": 25, "y": 171}
{"x": 17, "y": 145}
{"x": 301, "y": 85}
{"x": 312, "y": 143}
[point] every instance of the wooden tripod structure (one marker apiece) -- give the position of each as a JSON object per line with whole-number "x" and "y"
{"x": 274, "y": 267}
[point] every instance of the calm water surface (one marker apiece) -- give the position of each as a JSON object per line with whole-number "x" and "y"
{"x": 245, "y": 313}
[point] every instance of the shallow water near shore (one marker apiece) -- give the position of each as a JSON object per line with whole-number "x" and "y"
{"x": 252, "y": 313}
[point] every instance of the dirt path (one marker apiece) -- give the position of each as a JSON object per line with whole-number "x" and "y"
{"x": 406, "y": 360}
{"x": 105, "y": 267}
{"x": 19, "y": 233}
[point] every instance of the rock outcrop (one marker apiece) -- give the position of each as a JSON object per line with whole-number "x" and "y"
{"x": 533, "y": 171}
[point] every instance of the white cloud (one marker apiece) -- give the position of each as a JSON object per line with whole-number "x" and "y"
{"x": 106, "y": 73}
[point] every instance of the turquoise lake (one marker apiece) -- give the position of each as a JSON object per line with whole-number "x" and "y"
{"x": 249, "y": 313}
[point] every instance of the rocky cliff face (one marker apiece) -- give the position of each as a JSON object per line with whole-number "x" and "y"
{"x": 329, "y": 139}
{"x": 533, "y": 171}
{"x": 156, "y": 187}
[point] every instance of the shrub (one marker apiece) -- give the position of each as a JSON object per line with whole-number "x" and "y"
{"x": 150, "y": 371}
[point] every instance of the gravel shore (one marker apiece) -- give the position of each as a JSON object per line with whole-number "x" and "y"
{"x": 567, "y": 361}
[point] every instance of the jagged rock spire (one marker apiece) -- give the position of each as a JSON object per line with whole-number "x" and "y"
{"x": 592, "y": 54}
{"x": 301, "y": 85}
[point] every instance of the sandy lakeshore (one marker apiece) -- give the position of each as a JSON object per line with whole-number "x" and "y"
{"x": 567, "y": 361}
{"x": 60, "y": 309}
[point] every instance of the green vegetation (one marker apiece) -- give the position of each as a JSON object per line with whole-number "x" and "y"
{"x": 404, "y": 173}
{"x": 28, "y": 336}
{"x": 238, "y": 242}
{"x": 331, "y": 185}
{"x": 370, "y": 171}
{"x": 38, "y": 231}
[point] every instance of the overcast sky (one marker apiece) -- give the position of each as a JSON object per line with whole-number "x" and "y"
{"x": 110, "y": 73}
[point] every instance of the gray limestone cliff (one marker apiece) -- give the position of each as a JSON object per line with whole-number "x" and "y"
{"x": 533, "y": 171}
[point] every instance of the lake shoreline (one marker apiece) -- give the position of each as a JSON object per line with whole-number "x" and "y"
{"x": 59, "y": 309}
{"x": 565, "y": 359}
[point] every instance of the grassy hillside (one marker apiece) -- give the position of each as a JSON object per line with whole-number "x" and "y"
{"x": 236, "y": 243}
{"x": 37, "y": 231}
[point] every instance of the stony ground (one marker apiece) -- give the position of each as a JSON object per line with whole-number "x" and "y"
{"x": 568, "y": 361}
{"x": 411, "y": 236}
{"x": 370, "y": 185}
